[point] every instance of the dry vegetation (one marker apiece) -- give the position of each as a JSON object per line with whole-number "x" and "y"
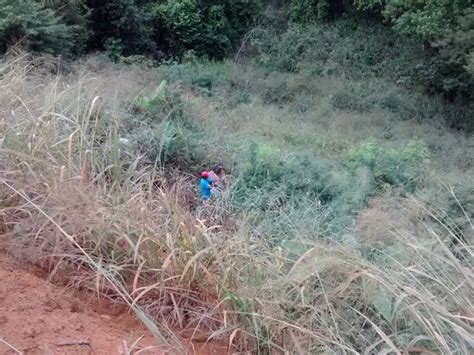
{"x": 399, "y": 279}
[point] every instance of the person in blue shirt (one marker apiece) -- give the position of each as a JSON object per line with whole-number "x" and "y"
{"x": 205, "y": 186}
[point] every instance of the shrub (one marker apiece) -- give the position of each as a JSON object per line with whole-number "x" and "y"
{"x": 208, "y": 28}
{"x": 307, "y": 11}
{"x": 34, "y": 26}
{"x": 350, "y": 101}
{"x": 280, "y": 179}
{"x": 163, "y": 144}
{"x": 162, "y": 134}
{"x": 124, "y": 23}
{"x": 336, "y": 49}
{"x": 113, "y": 48}
{"x": 204, "y": 81}
{"x": 295, "y": 193}
{"x": 163, "y": 104}
{"x": 138, "y": 60}
{"x": 75, "y": 14}
{"x": 390, "y": 166}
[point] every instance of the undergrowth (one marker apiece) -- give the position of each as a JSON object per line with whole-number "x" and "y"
{"x": 349, "y": 245}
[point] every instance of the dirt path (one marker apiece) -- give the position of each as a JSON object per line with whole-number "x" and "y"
{"x": 36, "y": 316}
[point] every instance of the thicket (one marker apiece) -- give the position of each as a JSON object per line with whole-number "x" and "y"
{"x": 336, "y": 49}
{"x": 161, "y": 29}
{"x": 209, "y": 28}
{"x": 396, "y": 276}
{"x": 33, "y": 25}
{"x": 100, "y": 165}
{"x": 274, "y": 185}
{"x": 152, "y": 28}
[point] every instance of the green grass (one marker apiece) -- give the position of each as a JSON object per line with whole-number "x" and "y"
{"x": 339, "y": 231}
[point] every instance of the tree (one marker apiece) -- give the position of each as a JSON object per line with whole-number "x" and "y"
{"x": 208, "y": 27}
{"x": 307, "y": 11}
{"x": 74, "y": 13}
{"x": 447, "y": 27}
{"x": 429, "y": 19}
{"x": 35, "y": 26}
{"x": 123, "y": 26}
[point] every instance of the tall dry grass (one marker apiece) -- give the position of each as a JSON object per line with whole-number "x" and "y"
{"x": 70, "y": 204}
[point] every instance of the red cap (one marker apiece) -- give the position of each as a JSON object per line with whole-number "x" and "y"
{"x": 205, "y": 174}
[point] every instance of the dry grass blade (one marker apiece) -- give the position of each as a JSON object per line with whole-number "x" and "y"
{"x": 11, "y": 346}
{"x": 379, "y": 331}
{"x": 273, "y": 268}
{"x": 117, "y": 286}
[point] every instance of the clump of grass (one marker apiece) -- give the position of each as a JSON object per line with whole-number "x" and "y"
{"x": 72, "y": 202}
{"x": 389, "y": 166}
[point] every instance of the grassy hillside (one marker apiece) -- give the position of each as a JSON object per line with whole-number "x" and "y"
{"x": 347, "y": 225}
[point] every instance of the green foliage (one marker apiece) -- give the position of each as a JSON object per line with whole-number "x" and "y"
{"x": 204, "y": 26}
{"x": 307, "y": 11}
{"x": 123, "y": 25}
{"x": 313, "y": 193}
{"x": 310, "y": 11}
{"x": 138, "y": 60}
{"x": 204, "y": 81}
{"x": 163, "y": 104}
{"x": 34, "y": 26}
{"x": 113, "y": 48}
{"x": 280, "y": 180}
{"x": 74, "y": 13}
{"x": 160, "y": 132}
{"x": 428, "y": 19}
{"x": 328, "y": 49}
{"x": 337, "y": 49}
{"x": 450, "y": 23}
{"x": 388, "y": 165}
{"x": 130, "y": 27}
{"x": 454, "y": 206}
{"x": 163, "y": 144}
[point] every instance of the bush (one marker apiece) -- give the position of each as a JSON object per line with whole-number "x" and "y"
{"x": 307, "y": 11}
{"x": 350, "y": 101}
{"x": 390, "y": 166}
{"x": 448, "y": 76}
{"x": 123, "y": 27}
{"x": 203, "y": 26}
{"x": 163, "y": 104}
{"x": 336, "y": 49}
{"x": 160, "y": 132}
{"x": 280, "y": 180}
{"x": 34, "y": 26}
{"x": 296, "y": 193}
{"x": 76, "y": 15}
{"x": 164, "y": 144}
{"x": 138, "y": 60}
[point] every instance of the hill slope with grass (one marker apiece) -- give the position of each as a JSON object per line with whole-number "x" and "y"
{"x": 346, "y": 224}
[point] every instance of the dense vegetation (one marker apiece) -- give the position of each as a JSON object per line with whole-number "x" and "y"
{"x": 346, "y": 130}
{"x": 164, "y": 29}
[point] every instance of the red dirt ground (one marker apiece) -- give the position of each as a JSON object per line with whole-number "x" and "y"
{"x": 36, "y": 316}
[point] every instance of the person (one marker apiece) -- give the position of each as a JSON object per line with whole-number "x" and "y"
{"x": 205, "y": 186}
{"x": 217, "y": 174}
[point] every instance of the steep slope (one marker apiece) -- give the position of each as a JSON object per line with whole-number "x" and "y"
{"x": 37, "y": 317}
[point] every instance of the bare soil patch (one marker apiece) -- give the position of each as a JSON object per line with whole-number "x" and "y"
{"x": 37, "y": 317}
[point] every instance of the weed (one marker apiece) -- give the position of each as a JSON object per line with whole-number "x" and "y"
{"x": 288, "y": 258}
{"x": 389, "y": 166}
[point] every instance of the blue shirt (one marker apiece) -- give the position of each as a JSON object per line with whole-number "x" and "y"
{"x": 205, "y": 189}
